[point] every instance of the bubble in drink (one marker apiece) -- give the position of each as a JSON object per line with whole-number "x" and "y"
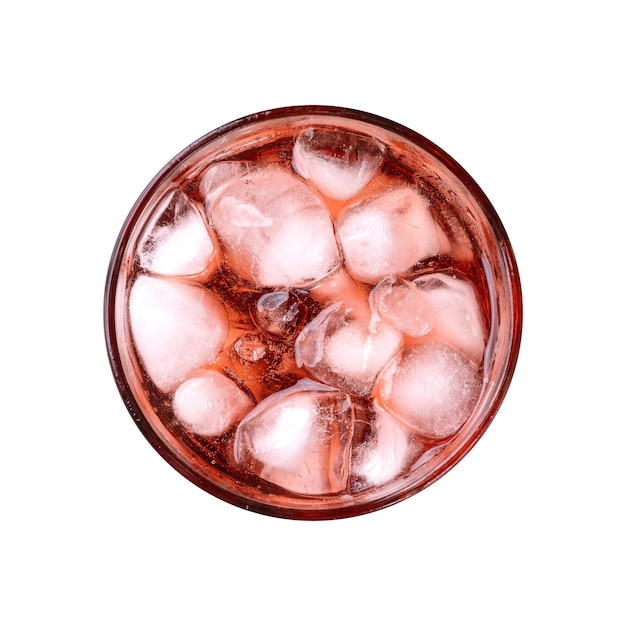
{"x": 313, "y": 313}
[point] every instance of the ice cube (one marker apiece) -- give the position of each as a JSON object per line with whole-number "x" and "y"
{"x": 345, "y": 351}
{"x": 388, "y": 234}
{"x": 356, "y": 354}
{"x": 401, "y": 304}
{"x": 387, "y": 452}
{"x": 177, "y": 327}
{"x": 275, "y": 230}
{"x": 299, "y": 439}
{"x": 181, "y": 246}
{"x": 457, "y": 314}
{"x": 311, "y": 342}
{"x": 219, "y": 175}
{"x": 210, "y": 403}
{"x": 250, "y": 347}
{"x": 432, "y": 388}
{"x": 338, "y": 163}
{"x": 278, "y": 314}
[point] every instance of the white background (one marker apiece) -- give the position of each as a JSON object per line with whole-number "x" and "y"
{"x": 96, "y": 528}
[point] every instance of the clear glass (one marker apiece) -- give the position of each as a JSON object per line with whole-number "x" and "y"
{"x": 313, "y": 312}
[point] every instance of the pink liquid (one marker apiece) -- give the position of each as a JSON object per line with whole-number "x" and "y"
{"x": 312, "y": 328}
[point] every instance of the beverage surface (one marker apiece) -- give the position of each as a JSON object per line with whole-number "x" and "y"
{"x": 308, "y": 313}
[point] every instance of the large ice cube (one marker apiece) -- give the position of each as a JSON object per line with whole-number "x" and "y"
{"x": 457, "y": 315}
{"x": 401, "y": 304}
{"x": 181, "y": 245}
{"x": 209, "y": 403}
{"x": 177, "y": 327}
{"x": 386, "y": 453}
{"x": 338, "y": 163}
{"x": 299, "y": 439}
{"x": 388, "y": 234}
{"x": 275, "y": 230}
{"x": 431, "y": 388}
{"x": 279, "y": 314}
{"x": 219, "y": 175}
{"x": 346, "y": 351}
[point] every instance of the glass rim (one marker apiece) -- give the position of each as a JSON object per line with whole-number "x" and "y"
{"x": 342, "y": 509}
